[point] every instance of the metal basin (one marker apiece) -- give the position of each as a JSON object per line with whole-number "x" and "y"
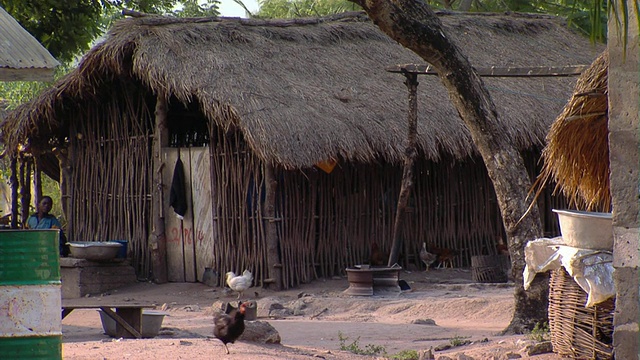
{"x": 94, "y": 250}
{"x": 585, "y": 229}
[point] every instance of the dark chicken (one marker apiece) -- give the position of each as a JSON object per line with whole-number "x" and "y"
{"x": 378, "y": 257}
{"x": 445, "y": 256}
{"x": 228, "y": 327}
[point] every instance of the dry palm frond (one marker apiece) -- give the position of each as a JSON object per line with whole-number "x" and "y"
{"x": 576, "y": 156}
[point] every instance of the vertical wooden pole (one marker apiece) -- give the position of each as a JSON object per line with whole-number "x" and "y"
{"x": 158, "y": 239}
{"x": 273, "y": 257}
{"x": 25, "y": 189}
{"x": 13, "y": 180}
{"x": 37, "y": 178}
{"x": 407, "y": 174}
{"x": 63, "y": 156}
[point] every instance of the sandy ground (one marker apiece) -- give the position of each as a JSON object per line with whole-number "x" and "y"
{"x": 320, "y": 315}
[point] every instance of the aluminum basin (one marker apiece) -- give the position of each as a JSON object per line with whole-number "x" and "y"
{"x": 586, "y": 229}
{"x": 94, "y": 250}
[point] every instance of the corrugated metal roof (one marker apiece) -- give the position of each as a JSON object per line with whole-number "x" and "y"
{"x": 20, "y": 51}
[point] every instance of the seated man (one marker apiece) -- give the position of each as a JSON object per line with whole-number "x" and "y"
{"x": 43, "y": 220}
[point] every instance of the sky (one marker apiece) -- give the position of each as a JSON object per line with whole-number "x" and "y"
{"x": 231, "y": 9}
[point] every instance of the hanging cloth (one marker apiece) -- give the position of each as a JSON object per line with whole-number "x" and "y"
{"x": 177, "y": 195}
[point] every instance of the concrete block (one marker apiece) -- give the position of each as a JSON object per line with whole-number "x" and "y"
{"x": 626, "y": 331}
{"x": 81, "y": 277}
{"x": 625, "y": 344}
{"x": 626, "y": 247}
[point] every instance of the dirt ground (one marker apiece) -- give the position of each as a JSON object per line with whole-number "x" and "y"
{"x": 315, "y": 321}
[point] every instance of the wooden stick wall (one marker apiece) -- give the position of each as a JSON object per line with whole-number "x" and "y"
{"x": 111, "y": 193}
{"x": 328, "y": 222}
{"x": 237, "y": 195}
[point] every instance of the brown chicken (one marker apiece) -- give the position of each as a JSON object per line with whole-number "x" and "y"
{"x": 228, "y": 327}
{"x": 378, "y": 257}
{"x": 501, "y": 247}
{"x": 445, "y": 256}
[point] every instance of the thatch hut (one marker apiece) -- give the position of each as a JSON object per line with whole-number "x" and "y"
{"x": 579, "y": 165}
{"x": 291, "y": 138}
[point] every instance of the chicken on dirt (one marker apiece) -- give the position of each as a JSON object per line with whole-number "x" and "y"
{"x": 239, "y": 283}
{"x": 228, "y": 327}
{"x": 427, "y": 257}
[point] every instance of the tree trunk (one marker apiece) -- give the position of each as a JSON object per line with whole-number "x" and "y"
{"x": 414, "y": 25}
{"x": 407, "y": 174}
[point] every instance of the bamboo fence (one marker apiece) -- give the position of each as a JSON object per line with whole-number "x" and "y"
{"x": 111, "y": 195}
{"x": 328, "y": 222}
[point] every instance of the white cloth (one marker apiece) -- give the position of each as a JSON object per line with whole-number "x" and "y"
{"x": 592, "y": 270}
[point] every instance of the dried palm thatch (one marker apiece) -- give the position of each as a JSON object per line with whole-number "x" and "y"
{"x": 303, "y": 91}
{"x": 576, "y": 156}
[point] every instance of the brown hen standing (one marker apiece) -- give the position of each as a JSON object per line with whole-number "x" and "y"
{"x": 228, "y": 327}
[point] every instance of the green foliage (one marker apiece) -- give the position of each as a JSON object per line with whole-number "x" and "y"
{"x": 540, "y": 332}
{"x": 406, "y": 355}
{"x": 15, "y": 93}
{"x": 585, "y": 16}
{"x": 67, "y": 28}
{"x": 354, "y": 347}
{"x": 459, "y": 340}
{"x": 285, "y": 9}
{"x": 64, "y": 27}
{"x": 195, "y": 8}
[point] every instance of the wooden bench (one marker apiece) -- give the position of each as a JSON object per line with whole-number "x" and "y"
{"x": 127, "y": 315}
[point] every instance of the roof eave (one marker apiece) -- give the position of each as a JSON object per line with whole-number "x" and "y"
{"x": 26, "y": 74}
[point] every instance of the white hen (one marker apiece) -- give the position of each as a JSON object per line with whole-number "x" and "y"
{"x": 239, "y": 283}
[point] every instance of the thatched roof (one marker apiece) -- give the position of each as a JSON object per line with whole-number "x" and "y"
{"x": 22, "y": 57}
{"x": 576, "y": 156}
{"x": 306, "y": 90}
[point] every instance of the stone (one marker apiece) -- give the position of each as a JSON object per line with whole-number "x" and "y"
{"x": 260, "y": 332}
{"x": 426, "y": 355}
{"x": 424, "y": 322}
{"x": 510, "y": 355}
{"x": 538, "y": 348}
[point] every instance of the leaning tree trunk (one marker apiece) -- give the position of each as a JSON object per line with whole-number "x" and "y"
{"x": 413, "y": 24}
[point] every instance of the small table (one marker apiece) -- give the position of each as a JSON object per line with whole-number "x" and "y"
{"x": 128, "y": 315}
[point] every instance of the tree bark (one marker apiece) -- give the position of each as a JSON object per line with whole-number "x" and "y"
{"x": 414, "y": 25}
{"x": 407, "y": 174}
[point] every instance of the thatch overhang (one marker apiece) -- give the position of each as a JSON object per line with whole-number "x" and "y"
{"x": 576, "y": 156}
{"x": 302, "y": 91}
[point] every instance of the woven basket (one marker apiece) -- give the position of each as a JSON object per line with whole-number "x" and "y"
{"x": 578, "y": 332}
{"x": 489, "y": 268}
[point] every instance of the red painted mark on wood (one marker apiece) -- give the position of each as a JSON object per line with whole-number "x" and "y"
{"x": 188, "y": 236}
{"x": 174, "y": 235}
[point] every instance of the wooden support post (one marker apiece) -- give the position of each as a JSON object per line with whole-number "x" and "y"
{"x": 407, "y": 174}
{"x": 13, "y": 180}
{"x": 37, "y": 178}
{"x": 25, "y": 189}
{"x": 158, "y": 240}
{"x": 63, "y": 156}
{"x": 269, "y": 211}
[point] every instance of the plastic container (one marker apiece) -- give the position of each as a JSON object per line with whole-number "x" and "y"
{"x": 122, "y": 252}
{"x": 586, "y": 229}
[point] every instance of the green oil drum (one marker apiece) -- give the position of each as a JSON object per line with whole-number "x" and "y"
{"x": 30, "y": 295}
